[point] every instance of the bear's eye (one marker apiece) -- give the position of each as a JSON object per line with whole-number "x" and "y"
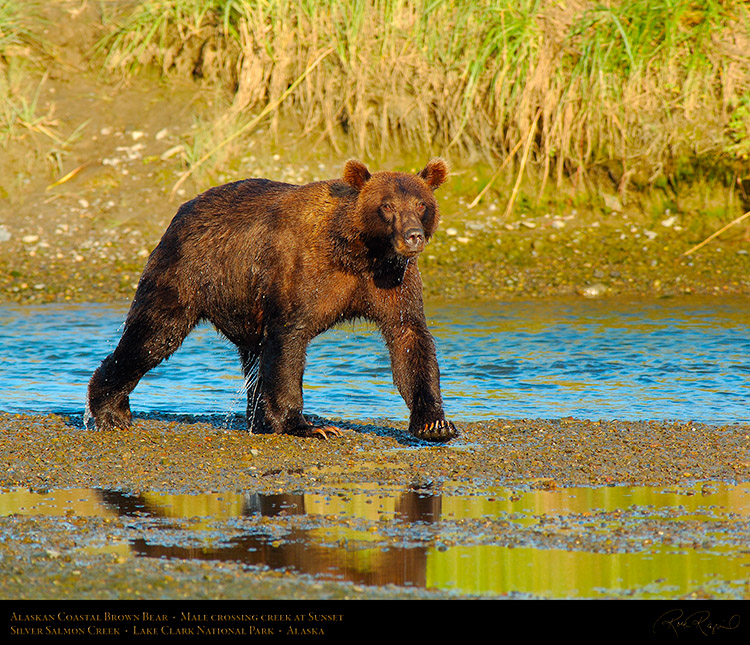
{"x": 387, "y": 210}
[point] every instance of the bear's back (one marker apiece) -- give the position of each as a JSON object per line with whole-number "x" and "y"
{"x": 269, "y": 203}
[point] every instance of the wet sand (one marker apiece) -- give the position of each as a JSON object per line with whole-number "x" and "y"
{"x": 189, "y": 455}
{"x": 45, "y": 557}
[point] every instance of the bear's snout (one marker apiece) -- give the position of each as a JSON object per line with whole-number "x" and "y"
{"x": 414, "y": 239}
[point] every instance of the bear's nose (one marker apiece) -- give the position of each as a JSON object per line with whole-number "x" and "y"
{"x": 414, "y": 239}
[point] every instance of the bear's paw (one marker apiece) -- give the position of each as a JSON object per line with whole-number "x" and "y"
{"x": 440, "y": 430}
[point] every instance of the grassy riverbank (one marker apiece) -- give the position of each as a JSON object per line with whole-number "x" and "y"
{"x": 642, "y": 91}
{"x": 591, "y": 145}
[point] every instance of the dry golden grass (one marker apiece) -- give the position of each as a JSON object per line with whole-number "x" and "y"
{"x": 638, "y": 91}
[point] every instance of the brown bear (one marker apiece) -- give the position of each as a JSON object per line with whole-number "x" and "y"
{"x": 272, "y": 265}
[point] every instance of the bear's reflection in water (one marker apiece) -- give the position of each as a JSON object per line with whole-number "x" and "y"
{"x": 297, "y": 548}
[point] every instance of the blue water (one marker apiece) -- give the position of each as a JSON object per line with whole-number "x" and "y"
{"x": 681, "y": 359}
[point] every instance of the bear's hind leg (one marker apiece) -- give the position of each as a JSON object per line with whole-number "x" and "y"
{"x": 108, "y": 404}
{"x": 251, "y": 371}
{"x": 146, "y": 342}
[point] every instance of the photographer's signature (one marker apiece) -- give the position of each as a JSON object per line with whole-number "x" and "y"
{"x": 678, "y": 622}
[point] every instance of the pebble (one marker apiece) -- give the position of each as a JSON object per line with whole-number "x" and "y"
{"x": 4, "y": 233}
{"x": 593, "y": 290}
{"x": 131, "y": 152}
{"x": 613, "y": 203}
{"x": 30, "y": 239}
{"x": 171, "y": 152}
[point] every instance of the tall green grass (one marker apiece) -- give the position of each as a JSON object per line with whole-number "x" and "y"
{"x": 639, "y": 90}
{"x": 20, "y": 112}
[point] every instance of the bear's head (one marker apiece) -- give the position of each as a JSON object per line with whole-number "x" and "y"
{"x": 396, "y": 211}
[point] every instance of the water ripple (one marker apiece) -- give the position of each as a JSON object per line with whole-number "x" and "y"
{"x": 673, "y": 359}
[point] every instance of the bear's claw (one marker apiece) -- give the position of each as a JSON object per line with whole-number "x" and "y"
{"x": 324, "y": 432}
{"x": 441, "y": 430}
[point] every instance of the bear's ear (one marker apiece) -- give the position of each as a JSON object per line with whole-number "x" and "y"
{"x": 435, "y": 172}
{"x": 356, "y": 174}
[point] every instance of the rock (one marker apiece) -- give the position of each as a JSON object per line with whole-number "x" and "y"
{"x": 669, "y": 222}
{"x": 171, "y": 152}
{"x": 593, "y": 290}
{"x": 131, "y": 152}
{"x": 612, "y": 202}
{"x": 30, "y": 239}
{"x": 4, "y": 233}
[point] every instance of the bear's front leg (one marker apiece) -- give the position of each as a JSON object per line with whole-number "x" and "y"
{"x": 282, "y": 364}
{"x": 417, "y": 377}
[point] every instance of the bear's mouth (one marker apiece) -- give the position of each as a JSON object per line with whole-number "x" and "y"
{"x": 407, "y": 252}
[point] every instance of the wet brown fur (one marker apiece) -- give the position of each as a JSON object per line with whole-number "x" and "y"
{"x": 272, "y": 265}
